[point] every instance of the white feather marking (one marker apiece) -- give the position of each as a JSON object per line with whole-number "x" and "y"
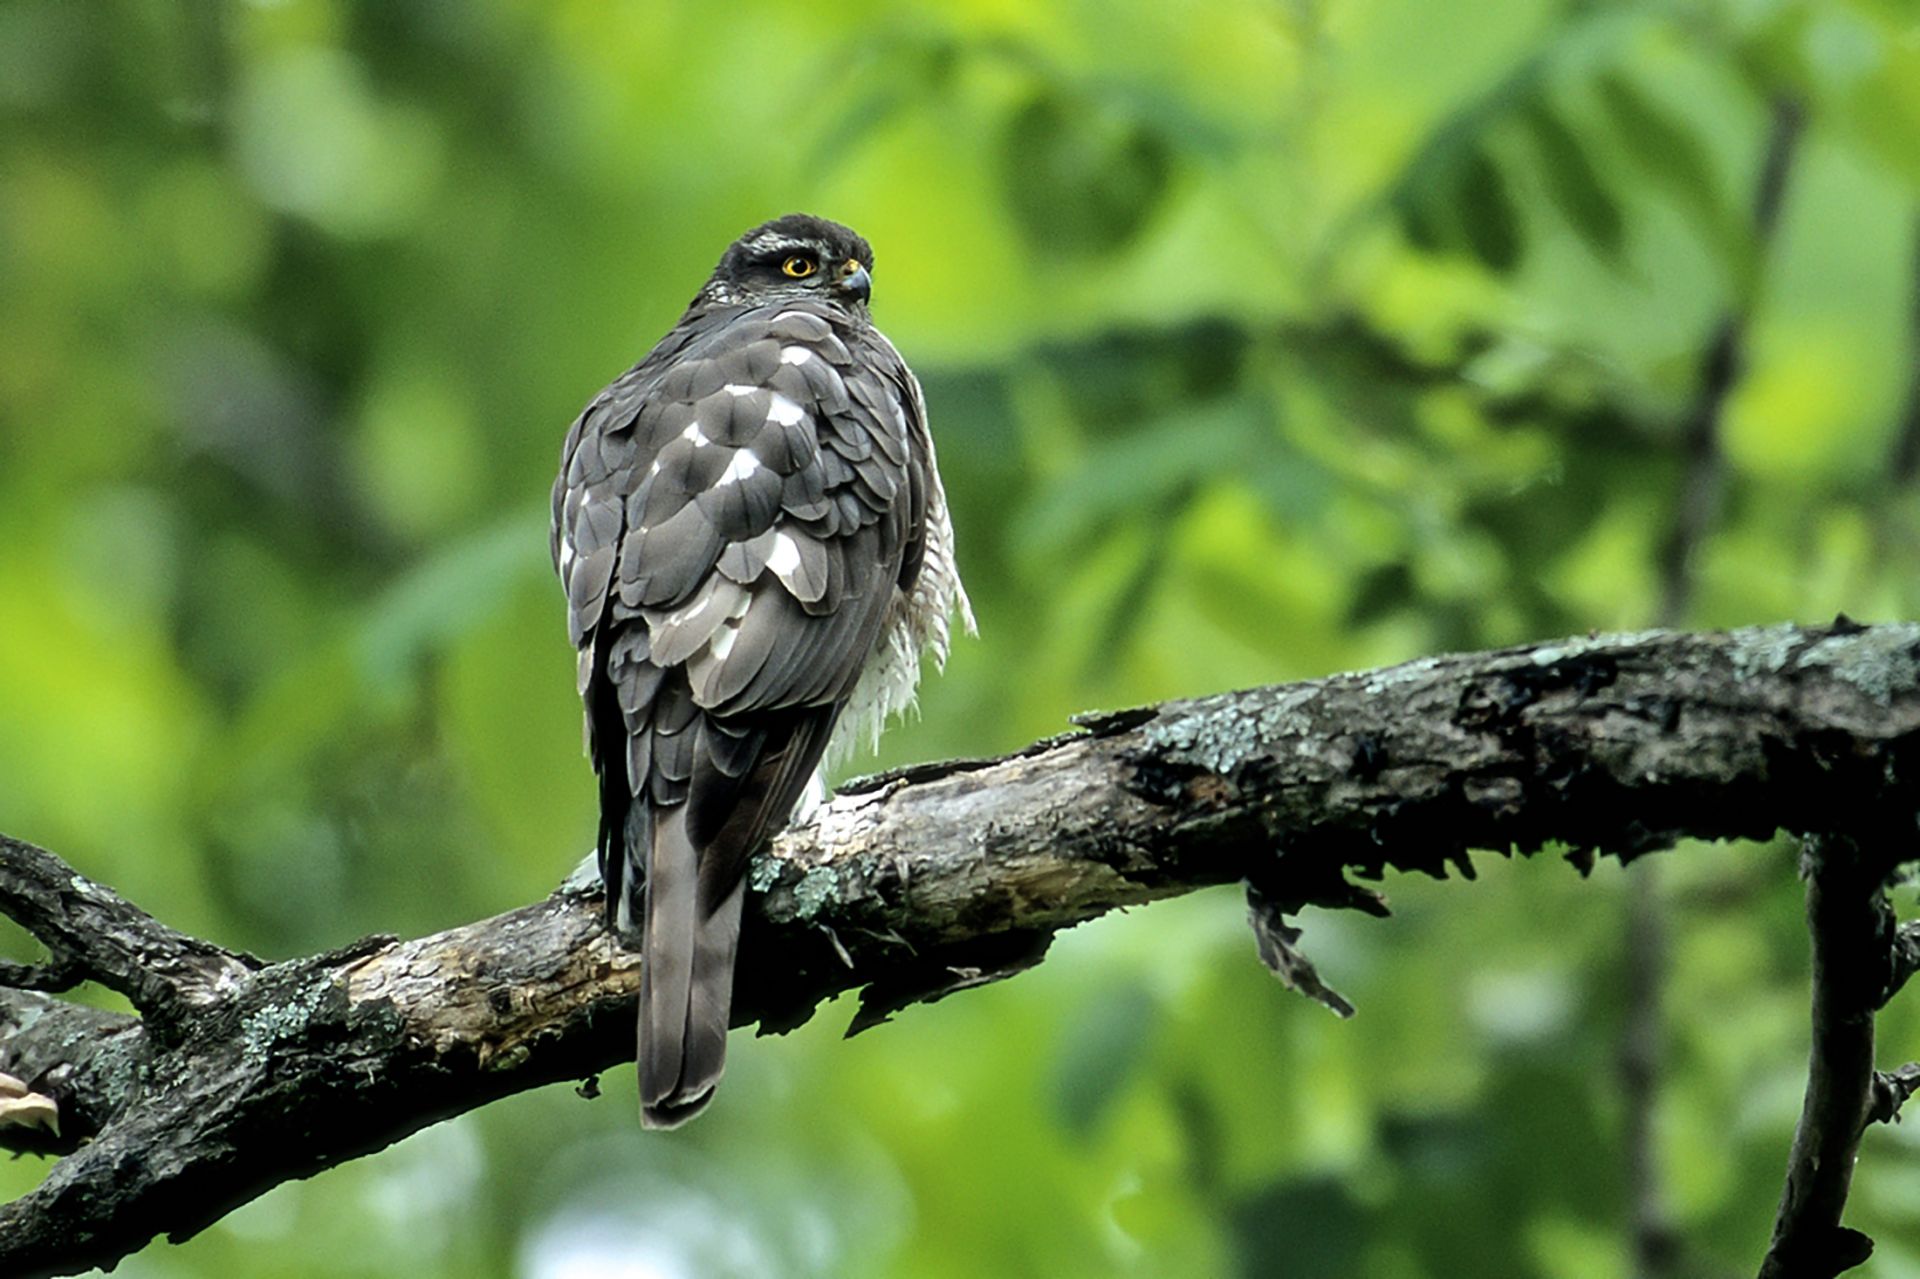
{"x": 681, "y": 616}
{"x": 654, "y": 469}
{"x": 566, "y": 553}
{"x": 698, "y": 436}
{"x": 739, "y": 388}
{"x": 795, "y": 355}
{"x": 744, "y": 463}
{"x": 785, "y": 556}
{"x": 785, "y": 411}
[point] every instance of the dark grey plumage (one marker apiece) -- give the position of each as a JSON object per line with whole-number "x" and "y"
{"x": 754, "y": 543}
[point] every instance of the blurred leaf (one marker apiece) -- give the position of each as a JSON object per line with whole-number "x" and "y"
{"x": 1381, "y": 592}
{"x": 888, "y": 72}
{"x": 1666, "y": 149}
{"x": 448, "y": 593}
{"x": 1101, "y": 1047}
{"x": 1487, "y": 213}
{"x": 1134, "y": 474}
{"x": 1308, "y": 1226}
{"x": 1421, "y": 217}
{"x": 1453, "y": 198}
{"x": 1082, "y": 178}
{"x": 1572, "y": 182}
{"x": 1673, "y": 156}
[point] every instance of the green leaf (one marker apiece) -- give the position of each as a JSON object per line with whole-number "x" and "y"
{"x": 1421, "y": 217}
{"x": 1488, "y": 217}
{"x": 1082, "y": 178}
{"x": 1675, "y": 159}
{"x": 1100, "y": 1052}
{"x": 1137, "y": 473}
{"x": 1452, "y": 198}
{"x": 448, "y": 593}
{"x": 1573, "y": 184}
{"x": 894, "y": 70}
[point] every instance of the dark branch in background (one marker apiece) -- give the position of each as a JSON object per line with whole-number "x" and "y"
{"x": 1906, "y": 449}
{"x": 1656, "y": 1244}
{"x": 1704, "y": 480}
{"x": 943, "y": 877}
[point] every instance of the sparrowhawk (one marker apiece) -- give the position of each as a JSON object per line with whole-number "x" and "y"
{"x": 756, "y": 551}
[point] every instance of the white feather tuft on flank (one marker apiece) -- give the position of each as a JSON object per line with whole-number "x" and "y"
{"x": 566, "y": 553}
{"x": 917, "y": 623}
{"x": 791, "y": 354}
{"x": 623, "y": 921}
{"x": 698, "y": 436}
{"x": 785, "y": 411}
{"x": 738, "y": 389}
{"x": 744, "y": 463}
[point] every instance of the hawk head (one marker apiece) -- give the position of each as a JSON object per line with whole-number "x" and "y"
{"x": 792, "y": 258}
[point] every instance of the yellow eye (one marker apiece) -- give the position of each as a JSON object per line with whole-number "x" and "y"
{"x": 799, "y": 266}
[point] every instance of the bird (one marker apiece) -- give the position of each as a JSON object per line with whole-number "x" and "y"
{"x": 756, "y": 551}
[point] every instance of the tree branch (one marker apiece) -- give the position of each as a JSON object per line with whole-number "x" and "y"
{"x": 93, "y": 932}
{"x": 938, "y": 878}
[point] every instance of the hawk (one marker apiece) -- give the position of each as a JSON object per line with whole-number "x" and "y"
{"x": 756, "y": 552}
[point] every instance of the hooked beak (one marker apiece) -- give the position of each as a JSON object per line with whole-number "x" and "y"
{"x": 854, "y": 281}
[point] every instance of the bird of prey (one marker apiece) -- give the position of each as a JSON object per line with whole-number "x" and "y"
{"x": 756, "y": 552}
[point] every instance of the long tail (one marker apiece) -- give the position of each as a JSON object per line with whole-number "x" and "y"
{"x": 686, "y": 984}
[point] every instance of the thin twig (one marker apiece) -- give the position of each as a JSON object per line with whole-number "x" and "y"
{"x": 1891, "y": 1089}
{"x": 1852, "y": 930}
{"x": 1656, "y": 1243}
{"x": 1906, "y": 448}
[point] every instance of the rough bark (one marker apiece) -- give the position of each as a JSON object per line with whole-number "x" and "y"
{"x": 930, "y": 880}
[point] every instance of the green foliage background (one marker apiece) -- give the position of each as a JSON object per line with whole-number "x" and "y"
{"x": 1262, "y": 340}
